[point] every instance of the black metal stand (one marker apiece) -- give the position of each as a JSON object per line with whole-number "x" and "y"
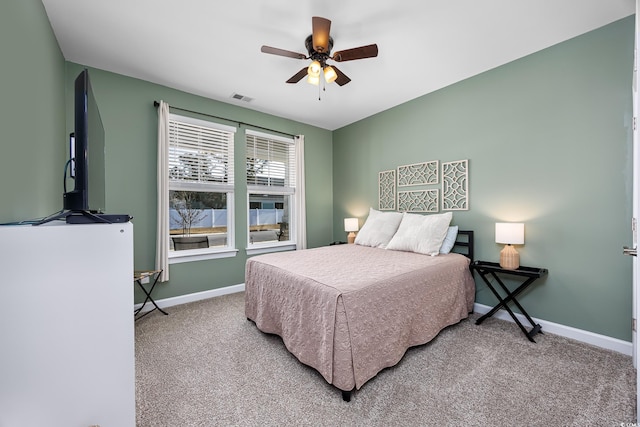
{"x": 138, "y": 276}
{"x": 346, "y": 396}
{"x": 492, "y": 269}
{"x": 66, "y": 215}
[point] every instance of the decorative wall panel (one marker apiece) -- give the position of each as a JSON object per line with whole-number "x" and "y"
{"x": 418, "y": 174}
{"x": 387, "y": 190}
{"x": 455, "y": 183}
{"x": 418, "y": 201}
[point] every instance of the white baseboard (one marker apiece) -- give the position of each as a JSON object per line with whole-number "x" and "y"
{"x": 603, "y": 341}
{"x": 183, "y": 299}
{"x": 598, "y": 340}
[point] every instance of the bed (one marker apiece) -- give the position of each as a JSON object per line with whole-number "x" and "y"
{"x": 351, "y": 310}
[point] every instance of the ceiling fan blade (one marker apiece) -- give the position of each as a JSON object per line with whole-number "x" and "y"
{"x": 361, "y": 52}
{"x": 342, "y": 77}
{"x": 320, "y": 34}
{"x": 282, "y": 52}
{"x": 298, "y": 76}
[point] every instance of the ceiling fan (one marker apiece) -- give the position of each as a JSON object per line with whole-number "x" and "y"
{"x": 319, "y": 45}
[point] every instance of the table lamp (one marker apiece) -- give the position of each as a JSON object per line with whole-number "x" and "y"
{"x": 509, "y": 233}
{"x": 351, "y": 226}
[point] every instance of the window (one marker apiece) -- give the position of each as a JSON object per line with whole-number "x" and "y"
{"x": 271, "y": 187}
{"x": 200, "y": 187}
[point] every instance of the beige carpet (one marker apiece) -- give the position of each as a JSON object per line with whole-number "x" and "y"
{"x": 206, "y": 365}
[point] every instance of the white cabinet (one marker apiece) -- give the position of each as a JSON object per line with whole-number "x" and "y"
{"x": 66, "y": 325}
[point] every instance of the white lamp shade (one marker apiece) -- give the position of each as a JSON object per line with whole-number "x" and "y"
{"x": 314, "y": 80}
{"x": 351, "y": 224}
{"x": 314, "y": 69}
{"x": 510, "y": 233}
{"x": 330, "y": 74}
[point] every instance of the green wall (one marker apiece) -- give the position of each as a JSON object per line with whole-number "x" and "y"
{"x": 549, "y": 143}
{"x": 31, "y": 113}
{"x": 130, "y": 121}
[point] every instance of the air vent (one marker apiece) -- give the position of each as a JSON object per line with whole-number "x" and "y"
{"x": 241, "y": 97}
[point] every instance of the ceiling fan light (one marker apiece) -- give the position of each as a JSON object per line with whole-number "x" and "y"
{"x": 314, "y": 80}
{"x": 314, "y": 69}
{"x": 330, "y": 74}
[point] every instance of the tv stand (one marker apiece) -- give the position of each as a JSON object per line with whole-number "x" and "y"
{"x": 86, "y": 217}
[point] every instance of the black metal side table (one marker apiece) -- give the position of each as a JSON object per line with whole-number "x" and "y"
{"x": 531, "y": 274}
{"x": 138, "y": 276}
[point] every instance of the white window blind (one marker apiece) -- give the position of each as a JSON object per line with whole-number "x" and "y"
{"x": 200, "y": 154}
{"x": 270, "y": 162}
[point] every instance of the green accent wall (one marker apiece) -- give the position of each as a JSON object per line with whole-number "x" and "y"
{"x": 32, "y": 113}
{"x": 549, "y": 143}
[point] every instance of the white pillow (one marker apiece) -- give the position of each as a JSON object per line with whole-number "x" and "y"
{"x": 378, "y": 229}
{"x": 449, "y": 240}
{"x": 422, "y": 234}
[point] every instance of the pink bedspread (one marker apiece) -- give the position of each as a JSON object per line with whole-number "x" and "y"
{"x": 350, "y": 311}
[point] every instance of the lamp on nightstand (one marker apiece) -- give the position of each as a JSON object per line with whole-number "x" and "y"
{"x": 351, "y": 226}
{"x": 510, "y": 233}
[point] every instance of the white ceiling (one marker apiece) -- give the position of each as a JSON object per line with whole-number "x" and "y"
{"x": 212, "y": 48}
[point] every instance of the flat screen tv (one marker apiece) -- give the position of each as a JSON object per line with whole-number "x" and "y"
{"x": 87, "y": 152}
{"x": 85, "y": 203}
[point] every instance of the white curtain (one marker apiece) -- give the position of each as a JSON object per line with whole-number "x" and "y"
{"x": 300, "y": 208}
{"x": 162, "y": 234}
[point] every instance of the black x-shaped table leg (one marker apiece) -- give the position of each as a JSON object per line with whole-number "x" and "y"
{"x": 148, "y": 297}
{"x": 510, "y": 297}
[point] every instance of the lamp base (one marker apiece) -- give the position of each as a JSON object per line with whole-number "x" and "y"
{"x": 351, "y": 237}
{"x": 509, "y": 258}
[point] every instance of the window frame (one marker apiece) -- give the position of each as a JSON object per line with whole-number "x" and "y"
{"x": 289, "y": 191}
{"x": 215, "y": 252}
